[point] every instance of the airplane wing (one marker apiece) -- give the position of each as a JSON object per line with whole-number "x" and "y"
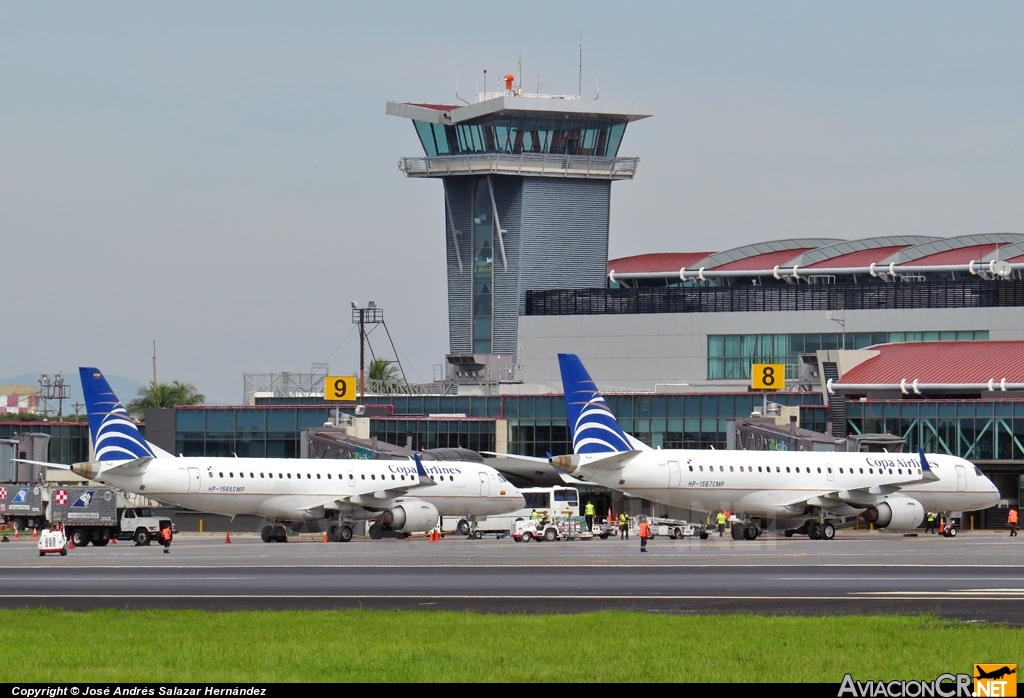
{"x": 371, "y": 495}
{"x": 611, "y": 461}
{"x": 863, "y": 497}
{"x": 61, "y": 466}
{"x": 513, "y": 456}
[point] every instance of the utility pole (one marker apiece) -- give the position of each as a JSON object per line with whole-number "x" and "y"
{"x": 154, "y": 363}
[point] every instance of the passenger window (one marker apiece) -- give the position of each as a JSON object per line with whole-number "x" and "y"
{"x": 403, "y": 477}
{"x": 392, "y": 476}
{"x": 730, "y": 469}
{"x": 900, "y": 471}
{"x": 289, "y": 476}
{"x": 840, "y": 470}
{"x": 373, "y": 477}
{"x": 691, "y": 468}
{"x": 231, "y": 474}
{"x": 220, "y": 474}
{"x": 787, "y": 468}
{"x": 702, "y": 468}
{"x": 721, "y": 468}
{"x": 759, "y": 468}
{"x": 861, "y": 471}
{"x": 210, "y": 473}
{"x": 363, "y": 476}
{"x": 328, "y": 476}
{"x": 261, "y": 475}
{"x": 778, "y": 469}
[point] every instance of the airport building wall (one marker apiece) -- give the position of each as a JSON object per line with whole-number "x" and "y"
{"x": 684, "y": 351}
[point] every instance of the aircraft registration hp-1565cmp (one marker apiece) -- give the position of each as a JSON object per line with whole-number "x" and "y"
{"x": 399, "y": 495}
{"x": 889, "y": 490}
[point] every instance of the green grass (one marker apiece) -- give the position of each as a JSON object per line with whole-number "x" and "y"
{"x": 265, "y": 646}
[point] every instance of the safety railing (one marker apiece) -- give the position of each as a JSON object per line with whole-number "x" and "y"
{"x": 529, "y": 165}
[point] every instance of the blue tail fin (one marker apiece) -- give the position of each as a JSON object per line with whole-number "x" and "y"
{"x": 114, "y": 436}
{"x": 594, "y": 427}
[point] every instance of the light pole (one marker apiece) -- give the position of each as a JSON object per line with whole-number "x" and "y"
{"x": 370, "y": 315}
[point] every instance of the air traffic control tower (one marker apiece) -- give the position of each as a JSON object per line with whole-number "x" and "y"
{"x": 527, "y": 190}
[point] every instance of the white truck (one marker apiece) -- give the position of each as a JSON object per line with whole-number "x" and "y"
{"x": 676, "y": 529}
{"x": 556, "y": 501}
{"x": 92, "y": 515}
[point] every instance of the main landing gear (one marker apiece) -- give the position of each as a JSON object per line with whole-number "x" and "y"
{"x": 274, "y": 533}
{"x": 339, "y": 533}
{"x": 824, "y": 530}
{"x": 745, "y": 530}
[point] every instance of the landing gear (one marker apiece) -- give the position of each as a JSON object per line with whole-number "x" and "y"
{"x": 746, "y": 530}
{"x": 826, "y": 530}
{"x": 339, "y": 533}
{"x": 376, "y": 530}
{"x": 463, "y": 528}
{"x": 275, "y": 533}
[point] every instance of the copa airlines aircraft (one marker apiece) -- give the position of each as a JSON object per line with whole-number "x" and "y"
{"x": 402, "y": 495}
{"x": 889, "y": 490}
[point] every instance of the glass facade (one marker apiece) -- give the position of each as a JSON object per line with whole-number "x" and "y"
{"x": 515, "y": 135}
{"x": 483, "y": 266}
{"x": 730, "y": 355}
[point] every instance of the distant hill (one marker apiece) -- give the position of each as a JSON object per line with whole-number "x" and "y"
{"x": 125, "y": 388}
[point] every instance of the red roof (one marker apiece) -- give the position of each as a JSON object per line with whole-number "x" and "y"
{"x": 860, "y": 258}
{"x": 655, "y": 262}
{"x": 942, "y": 362}
{"x": 766, "y": 261}
{"x": 961, "y": 255}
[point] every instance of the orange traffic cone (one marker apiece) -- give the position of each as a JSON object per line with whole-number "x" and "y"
{"x": 35, "y": 533}
{"x": 227, "y": 537}
{"x": 16, "y": 532}
{"x": 325, "y": 538}
{"x": 434, "y": 536}
{"x": 113, "y": 541}
{"x": 71, "y": 544}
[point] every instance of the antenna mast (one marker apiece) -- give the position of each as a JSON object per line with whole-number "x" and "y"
{"x": 579, "y": 90}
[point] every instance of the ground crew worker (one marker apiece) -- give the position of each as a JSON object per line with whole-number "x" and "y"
{"x": 588, "y": 514}
{"x": 623, "y": 526}
{"x": 165, "y": 536}
{"x": 645, "y": 533}
{"x": 535, "y": 516}
{"x": 721, "y": 523}
{"x": 930, "y": 528}
{"x": 1011, "y": 518}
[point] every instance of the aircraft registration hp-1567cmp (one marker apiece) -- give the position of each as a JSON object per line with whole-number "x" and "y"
{"x": 889, "y": 490}
{"x": 399, "y": 495}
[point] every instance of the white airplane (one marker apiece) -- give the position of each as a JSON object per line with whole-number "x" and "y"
{"x": 398, "y": 495}
{"x": 889, "y": 490}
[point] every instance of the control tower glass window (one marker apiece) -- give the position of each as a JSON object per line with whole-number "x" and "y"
{"x": 516, "y": 135}
{"x": 483, "y": 267}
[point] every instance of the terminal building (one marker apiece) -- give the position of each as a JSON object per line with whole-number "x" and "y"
{"x": 913, "y": 340}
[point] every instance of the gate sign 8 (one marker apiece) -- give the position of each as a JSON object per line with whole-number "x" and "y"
{"x": 340, "y": 388}
{"x": 768, "y": 376}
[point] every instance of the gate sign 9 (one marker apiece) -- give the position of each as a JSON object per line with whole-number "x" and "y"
{"x": 768, "y": 376}
{"x": 340, "y": 388}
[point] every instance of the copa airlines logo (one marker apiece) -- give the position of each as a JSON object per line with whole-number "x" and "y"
{"x": 597, "y": 431}
{"x": 117, "y": 438}
{"x": 84, "y": 501}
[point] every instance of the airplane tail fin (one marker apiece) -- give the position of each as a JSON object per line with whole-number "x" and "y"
{"x": 115, "y": 437}
{"x": 593, "y": 426}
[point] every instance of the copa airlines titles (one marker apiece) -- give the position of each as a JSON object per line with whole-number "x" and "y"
{"x": 896, "y": 463}
{"x": 430, "y": 469}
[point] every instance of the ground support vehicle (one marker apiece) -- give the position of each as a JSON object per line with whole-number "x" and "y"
{"x": 677, "y": 529}
{"x": 52, "y": 542}
{"x": 561, "y": 528}
{"x": 92, "y": 515}
{"x": 23, "y": 505}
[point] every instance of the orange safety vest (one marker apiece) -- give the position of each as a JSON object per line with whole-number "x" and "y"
{"x": 166, "y": 534}
{"x": 645, "y": 530}
{"x": 1012, "y": 516}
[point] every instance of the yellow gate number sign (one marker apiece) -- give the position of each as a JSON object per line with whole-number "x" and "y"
{"x": 340, "y": 388}
{"x": 768, "y": 376}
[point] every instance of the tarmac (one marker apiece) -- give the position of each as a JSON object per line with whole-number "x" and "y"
{"x": 978, "y": 576}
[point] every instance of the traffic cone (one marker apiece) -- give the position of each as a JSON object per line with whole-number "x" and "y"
{"x": 434, "y": 536}
{"x": 227, "y": 537}
{"x": 71, "y": 544}
{"x": 17, "y": 533}
{"x": 325, "y": 538}
{"x": 35, "y": 533}
{"x": 113, "y": 541}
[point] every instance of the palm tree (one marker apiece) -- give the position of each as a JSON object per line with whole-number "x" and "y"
{"x": 385, "y": 376}
{"x": 163, "y": 395}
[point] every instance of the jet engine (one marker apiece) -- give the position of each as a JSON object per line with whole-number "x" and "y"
{"x": 411, "y": 515}
{"x": 896, "y": 512}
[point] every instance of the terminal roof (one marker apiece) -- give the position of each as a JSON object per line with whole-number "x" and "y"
{"x": 941, "y": 363}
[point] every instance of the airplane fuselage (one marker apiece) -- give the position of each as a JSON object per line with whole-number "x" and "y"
{"x": 772, "y": 483}
{"x": 297, "y": 489}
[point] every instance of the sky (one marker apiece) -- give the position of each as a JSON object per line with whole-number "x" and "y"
{"x": 221, "y": 178}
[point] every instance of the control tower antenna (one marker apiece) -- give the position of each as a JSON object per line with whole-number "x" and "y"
{"x": 579, "y": 90}
{"x": 520, "y": 85}
{"x": 457, "y": 95}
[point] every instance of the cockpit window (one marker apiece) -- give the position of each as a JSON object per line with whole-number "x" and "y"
{"x": 977, "y": 472}
{"x": 501, "y": 479}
